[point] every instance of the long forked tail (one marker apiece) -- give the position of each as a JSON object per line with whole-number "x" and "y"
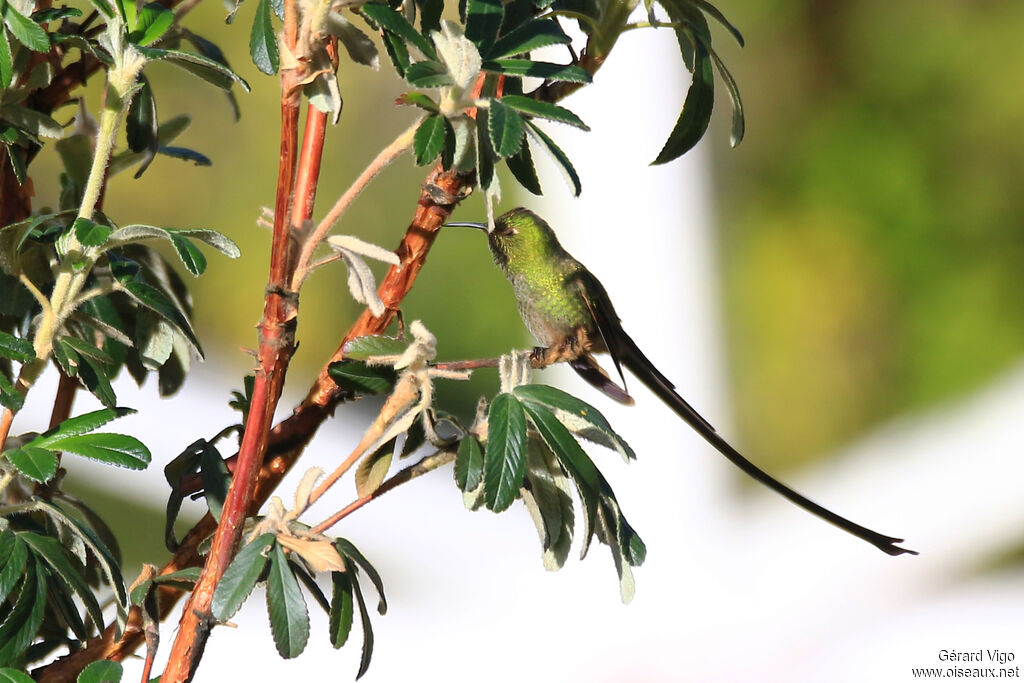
{"x": 645, "y": 371}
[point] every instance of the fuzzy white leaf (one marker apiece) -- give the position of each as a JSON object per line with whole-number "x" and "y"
{"x": 458, "y": 54}
{"x": 363, "y": 248}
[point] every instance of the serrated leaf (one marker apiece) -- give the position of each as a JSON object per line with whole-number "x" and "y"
{"x": 392, "y": 21}
{"x": 90, "y": 234}
{"x": 9, "y": 675}
{"x": 543, "y": 110}
{"x": 529, "y": 36}
{"x": 240, "y": 578}
{"x": 371, "y": 345}
{"x": 700, "y": 98}
{"x": 10, "y": 398}
{"x": 16, "y": 348}
{"x": 545, "y": 70}
{"x": 114, "y": 449}
{"x": 578, "y": 416}
{"x": 86, "y": 349}
{"x": 141, "y": 128}
{"x": 68, "y": 571}
{"x": 27, "y": 32}
{"x": 429, "y": 138}
{"x": 152, "y": 23}
{"x": 342, "y": 608}
{"x": 13, "y": 566}
{"x": 364, "y": 616}
{"x": 138, "y": 233}
{"x": 484, "y": 151}
{"x": 469, "y": 464}
{"x": 6, "y": 61}
{"x": 572, "y": 178}
{"x": 428, "y": 74}
{"x": 183, "y": 579}
{"x": 523, "y": 170}
{"x": 94, "y": 377}
{"x": 38, "y": 464}
{"x": 360, "y": 48}
{"x": 102, "y": 671}
{"x": 189, "y": 254}
{"x": 153, "y": 299}
{"x": 347, "y": 550}
{"x": 31, "y": 121}
{"x": 549, "y": 500}
{"x": 418, "y": 99}
{"x": 209, "y": 70}
{"x": 459, "y": 55}
{"x": 505, "y": 457}
{"x": 24, "y": 619}
{"x": 397, "y": 51}
{"x": 82, "y": 424}
{"x": 483, "y": 20}
{"x": 215, "y": 477}
{"x": 359, "y": 378}
{"x": 505, "y": 127}
{"x": 714, "y": 12}
{"x": 289, "y": 618}
{"x": 263, "y": 41}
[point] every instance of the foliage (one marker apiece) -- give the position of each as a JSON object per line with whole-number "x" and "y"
{"x": 92, "y": 296}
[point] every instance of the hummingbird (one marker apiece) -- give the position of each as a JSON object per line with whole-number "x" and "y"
{"x": 571, "y": 315}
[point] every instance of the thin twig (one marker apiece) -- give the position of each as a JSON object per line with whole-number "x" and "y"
{"x": 386, "y": 156}
{"x": 427, "y": 464}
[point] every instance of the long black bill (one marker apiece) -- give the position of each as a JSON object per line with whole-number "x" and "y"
{"x": 478, "y": 226}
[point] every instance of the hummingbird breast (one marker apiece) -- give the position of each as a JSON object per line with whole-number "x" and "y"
{"x": 551, "y": 306}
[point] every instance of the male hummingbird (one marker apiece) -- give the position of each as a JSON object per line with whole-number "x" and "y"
{"x": 568, "y": 311}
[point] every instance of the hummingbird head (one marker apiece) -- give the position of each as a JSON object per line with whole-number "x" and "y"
{"x": 519, "y": 238}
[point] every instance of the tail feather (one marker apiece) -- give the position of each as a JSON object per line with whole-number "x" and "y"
{"x": 646, "y": 372}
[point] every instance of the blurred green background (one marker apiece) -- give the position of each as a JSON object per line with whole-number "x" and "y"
{"x": 871, "y": 237}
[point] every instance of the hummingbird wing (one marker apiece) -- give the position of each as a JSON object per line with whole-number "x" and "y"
{"x": 624, "y": 351}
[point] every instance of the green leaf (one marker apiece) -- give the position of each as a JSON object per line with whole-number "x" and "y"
{"x": 289, "y": 618}
{"x": 390, "y": 20}
{"x": 183, "y": 579}
{"x": 428, "y": 74}
{"x": 15, "y": 561}
{"x": 94, "y": 377}
{"x": 558, "y": 155}
{"x": 209, "y": 70}
{"x": 529, "y": 36}
{"x": 153, "y": 299}
{"x": 483, "y": 20}
{"x": 363, "y": 348}
{"x": 738, "y": 121}
{"x": 347, "y": 550}
{"x": 429, "y": 138}
{"x": 418, "y": 99}
{"x": 114, "y": 449}
{"x": 38, "y": 464}
{"x": 23, "y": 621}
{"x": 74, "y": 426}
{"x": 549, "y": 501}
{"x": 484, "y": 151}
{"x": 361, "y": 379}
{"x": 189, "y": 254}
{"x": 68, "y": 570}
{"x": 714, "y": 12}
{"x": 579, "y": 417}
{"x": 545, "y": 70}
{"x": 141, "y": 127}
{"x": 342, "y": 608}
{"x": 696, "y": 114}
{"x": 86, "y": 349}
{"x": 397, "y": 51}
{"x": 90, "y": 234}
{"x": 10, "y": 398}
{"x": 505, "y": 458}
{"x": 16, "y": 348}
{"x": 9, "y": 675}
{"x": 543, "y": 110}
{"x": 263, "y": 41}
{"x": 240, "y": 578}
{"x": 137, "y": 233}
{"x": 523, "y": 170}
{"x": 6, "y": 61}
{"x": 364, "y": 616}
{"x": 505, "y": 127}
{"x": 469, "y": 464}
{"x": 27, "y": 32}
{"x": 152, "y": 23}
{"x": 373, "y": 468}
{"x": 31, "y": 121}
{"x": 102, "y": 671}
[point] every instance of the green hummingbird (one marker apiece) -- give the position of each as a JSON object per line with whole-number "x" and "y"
{"x": 569, "y": 312}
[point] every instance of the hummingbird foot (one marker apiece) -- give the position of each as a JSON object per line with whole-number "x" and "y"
{"x": 570, "y": 348}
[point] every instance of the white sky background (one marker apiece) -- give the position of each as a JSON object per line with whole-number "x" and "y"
{"x": 739, "y": 584}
